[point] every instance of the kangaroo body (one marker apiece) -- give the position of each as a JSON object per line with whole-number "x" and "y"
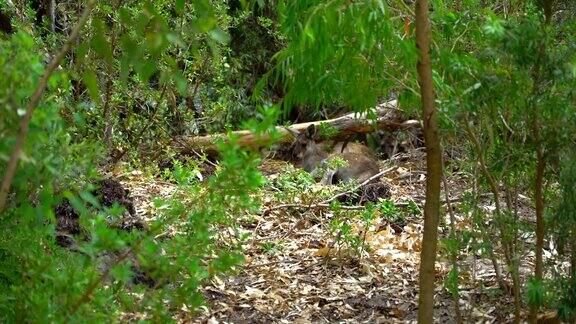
{"x": 361, "y": 164}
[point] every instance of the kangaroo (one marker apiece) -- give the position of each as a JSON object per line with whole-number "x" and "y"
{"x": 361, "y": 163}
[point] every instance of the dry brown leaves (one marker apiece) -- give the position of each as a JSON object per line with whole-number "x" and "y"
{"x": 294, "y": 274}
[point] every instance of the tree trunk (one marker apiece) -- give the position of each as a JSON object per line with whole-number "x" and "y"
{"x": 52, "y": 15}
{"x": 540, "y": 161}
{"x": 389, "y": 117}
{"x": 433, "y": 167}
{"x": 539, "y": 202}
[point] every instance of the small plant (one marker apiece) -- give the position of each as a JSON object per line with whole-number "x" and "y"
{"x": 389, "y": 211}
{"x": 183, "y": 173}
{"x": 347, "y": 231}
{"x": 567, "y": 302}
{"x": 271, "y": 247}
{"x": 326, "y": 130}
{"x": 291, "y": 183}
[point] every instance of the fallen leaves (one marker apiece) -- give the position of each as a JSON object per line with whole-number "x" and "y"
{"x": 295, "y": 273}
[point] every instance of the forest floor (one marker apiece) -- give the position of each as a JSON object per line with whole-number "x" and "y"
{"x": 294, "y": 272}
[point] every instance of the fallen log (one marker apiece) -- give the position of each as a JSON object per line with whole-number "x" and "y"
{"x": 388, "y": 117}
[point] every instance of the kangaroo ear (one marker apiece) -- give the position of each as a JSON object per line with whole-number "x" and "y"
{"x": 311, "y": 131}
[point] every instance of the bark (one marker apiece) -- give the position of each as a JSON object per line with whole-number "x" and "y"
{"x": 539, "y": 202}
{"x": 389, "y": 118}
{"x": 33, "y": 103}
{"x": 433, "y": 167}
{"x": 52, "y": 16}
{"x": 540, "y": 160}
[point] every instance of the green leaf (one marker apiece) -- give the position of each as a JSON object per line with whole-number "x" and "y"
{"x": 81, "y": 51}
{"x": 91, "y": 82}
{"x": 76, "y": 203}
{"x": 99, "y": 43}
{"x": 220, "y": 36}
{"x": 204, "y": 24}
{"x": 572, "y": 69}
{"x": 535, "y": 291}
{"x": 146, "y": 70}
{"x": 122, "y": 272}
{"x": 181, "y": 83}
{"x": 125, "y": 16}
{"x": 494, "y": 26}
{"x": 125, "y": 68}
{"x": 381, "y": 6}
{"x": 451, "y": 281}
{"x": 180, "y": 5}
{"x": 175, "y": 38}
{"x": 129, "y": 47}
{"x": 155, "y": 41}
{"x": 89, "y": 198}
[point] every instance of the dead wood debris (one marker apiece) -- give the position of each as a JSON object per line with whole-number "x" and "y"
{"x": 108, "y": 192}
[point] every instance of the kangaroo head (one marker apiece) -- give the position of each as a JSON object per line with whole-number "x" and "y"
{"x": 305, "y": 149}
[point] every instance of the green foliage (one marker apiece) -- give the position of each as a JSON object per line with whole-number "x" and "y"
{"x": 563, "y": 218}
{"x": 390, "y": 212}
{"x": 271, "y": 248}
{"x": 33, "y": 278}
{"x": 200, "y": 215}
{"x": 325, "y": 131}
{"x": 183, "y": 174}
{"x": 291, "y": 183}
{"x": 342, "y": 227}
{"x": 145, "y": 72}
{"x": 567, "y": 305}
{"x": 497, "y": 73}
{"x": 524, "y": 63}
{"x": 50, "y": 148}
{"x": 124, "y": 47}
{"x": 451, "y": 281}
{"x": 563, "y": 228}
{"x": 339, "y": 53}
{"x": 535, "y": 292}
{"x": 329, "y": 165}
{"x": 46, "y": 281}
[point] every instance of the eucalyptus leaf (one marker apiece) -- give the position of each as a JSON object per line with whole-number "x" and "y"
{"x": 91, "y": 81}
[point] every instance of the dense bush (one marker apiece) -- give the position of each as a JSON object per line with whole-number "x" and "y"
{"x": 107, "y": 272}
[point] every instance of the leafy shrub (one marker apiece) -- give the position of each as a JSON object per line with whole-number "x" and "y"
{"x": 188, "y": 242}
